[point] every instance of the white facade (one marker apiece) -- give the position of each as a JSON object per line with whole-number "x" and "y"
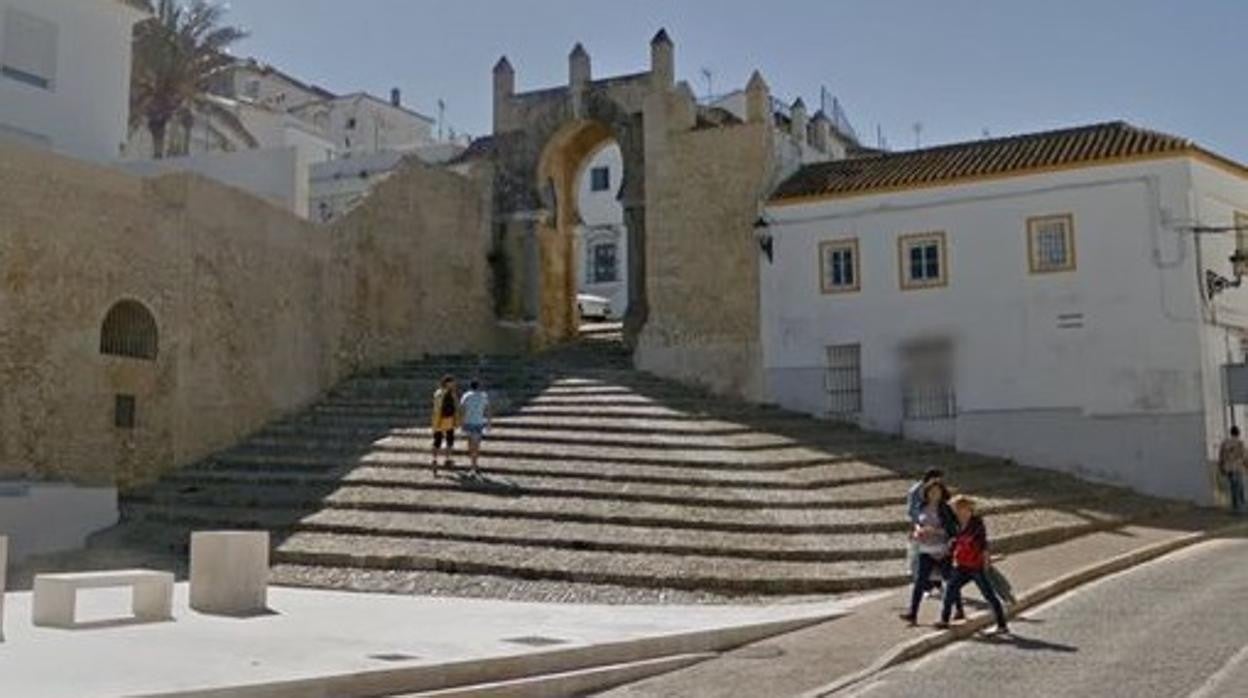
{"x": 277, "y": 175}
{"x": 65, "y": 74}
{"x": 1111, "y": 370}
{"x": 337, "y": 186}
{"x": 602, "y": 238}
{"x": 361, "y": 124}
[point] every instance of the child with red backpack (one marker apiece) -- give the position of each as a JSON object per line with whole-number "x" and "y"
{"x": 970, "y": 559}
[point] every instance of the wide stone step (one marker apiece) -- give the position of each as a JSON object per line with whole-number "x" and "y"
{"x": 724, "y": 575}
{"x": 803, "y": 479}
{"x": 1010, "y": 533}
{"x": 568, "y": 508}
{"x": 506, "y": 439}
{"x": 875, "y": 493}
{"x": 775, "y": 458}
{"x": 405, "y": 437}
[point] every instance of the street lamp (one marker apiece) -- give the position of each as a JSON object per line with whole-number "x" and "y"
{"x": 1215, "y": 283}
{"x": 766, "y": 243}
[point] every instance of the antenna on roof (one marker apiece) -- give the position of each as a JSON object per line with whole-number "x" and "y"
{"x": 918, "y": 134}
{"x": 441, "y": 116}
{"x": 709, "y": 76}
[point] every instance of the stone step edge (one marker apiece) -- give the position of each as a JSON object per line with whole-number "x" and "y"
{"x": 242, "y": 454}
{"x": 291, "y": 476}
{"x": 727, "y": 585}
{"x": 623, "y": 520}
{"x": 696, "y": 501}
{"x": 1008, "y": 543}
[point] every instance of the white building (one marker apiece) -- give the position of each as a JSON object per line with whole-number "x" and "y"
{"x": 601, "y": 237}
{"x": 362, "y": 124}
{"x": 65, "y": 74}
{"x": 337, "y": 186}
{"x": 1040, "y": 297}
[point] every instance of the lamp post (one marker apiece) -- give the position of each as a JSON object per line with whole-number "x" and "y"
{"x": 766, "y": 242}
{"x": 1215, "y": 283}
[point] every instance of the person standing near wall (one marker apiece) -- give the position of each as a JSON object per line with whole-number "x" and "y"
{"x": 1232, "y": 461}
{"x": 445, "y": 419}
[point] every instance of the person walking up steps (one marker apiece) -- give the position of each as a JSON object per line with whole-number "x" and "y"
{"x": 475, "y": 407}
{"x": 970, "y": 557}
{"x": 445, "y": 419}
{"x": 1231, "y": 464}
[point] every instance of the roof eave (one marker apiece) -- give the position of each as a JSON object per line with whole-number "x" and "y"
{"x": 1194, "y": 152}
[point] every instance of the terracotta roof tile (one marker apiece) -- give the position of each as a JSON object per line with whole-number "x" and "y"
{"x": 1093, "y": 144}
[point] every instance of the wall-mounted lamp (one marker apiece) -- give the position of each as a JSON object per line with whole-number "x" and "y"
{"x": 766, "y": 243}
{"x": 1215, "y": 283}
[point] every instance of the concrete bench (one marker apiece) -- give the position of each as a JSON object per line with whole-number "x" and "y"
{"x": 56, "y": 595}
{"x": 230, "y": 572}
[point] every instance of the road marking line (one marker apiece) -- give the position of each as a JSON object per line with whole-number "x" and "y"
{"x": 1212, "y": 685}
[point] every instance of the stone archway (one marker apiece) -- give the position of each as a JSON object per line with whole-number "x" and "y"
{"x": 559, "y": 169}
{"x": 541, "y": 140}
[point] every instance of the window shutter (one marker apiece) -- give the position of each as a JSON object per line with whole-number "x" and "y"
{"x": 28, "y": 47}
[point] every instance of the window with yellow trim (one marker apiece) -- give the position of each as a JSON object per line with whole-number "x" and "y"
{"x": 924, "y": 260}
{"x": 1051, "y": 243}
{"x": 838, "y": 266}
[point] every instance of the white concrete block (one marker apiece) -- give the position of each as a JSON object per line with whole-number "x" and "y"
{"x": 230, "y": 572}
{"x": 56, "y": 595}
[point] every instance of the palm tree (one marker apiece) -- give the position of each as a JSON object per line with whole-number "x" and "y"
{"x": 179, "y": 54}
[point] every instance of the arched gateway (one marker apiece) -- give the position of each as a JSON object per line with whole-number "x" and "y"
{"x": 694, "y": 179}
{"x": 542, "y": 140}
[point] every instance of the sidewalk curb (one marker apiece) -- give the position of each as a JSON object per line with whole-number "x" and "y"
{"x": 913, "y": 649}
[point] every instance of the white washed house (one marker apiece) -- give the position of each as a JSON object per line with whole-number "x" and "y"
{"x": 1041, "y": 297}
{"x": 65, "y": 74}
{"x": 601, "y": 237}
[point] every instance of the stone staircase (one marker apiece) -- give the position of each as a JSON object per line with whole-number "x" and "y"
{"x": 599, "y": 483}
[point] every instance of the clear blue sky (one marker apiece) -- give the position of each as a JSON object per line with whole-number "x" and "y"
{"x": 956, "y": 66}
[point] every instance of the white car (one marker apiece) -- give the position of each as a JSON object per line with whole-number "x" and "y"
{"x": 593, "y": 307}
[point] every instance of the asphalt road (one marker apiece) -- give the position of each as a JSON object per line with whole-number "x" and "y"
{"x": 1177, "y": 627}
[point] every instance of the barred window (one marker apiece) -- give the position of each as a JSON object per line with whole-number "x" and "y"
{"x": 843, "y": 379}
{"x": 838, "y": 266}
{"x": 1051, "y": 243}
{"x": 928, "y": 381}
{"x": 129, "y": 330}
{"x": 603, "y": 264}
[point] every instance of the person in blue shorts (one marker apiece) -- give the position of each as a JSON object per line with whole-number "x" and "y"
{"x": 475, "y": 407}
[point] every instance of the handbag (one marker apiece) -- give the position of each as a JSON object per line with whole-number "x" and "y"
{"x": 1000, "y": 584}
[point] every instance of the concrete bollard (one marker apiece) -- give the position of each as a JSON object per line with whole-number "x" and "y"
{"x": 230, "y": 572}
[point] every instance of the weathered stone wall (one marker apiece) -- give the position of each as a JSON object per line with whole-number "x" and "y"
{"x": 703, "y": 188}
{"x": 258, "y": 311}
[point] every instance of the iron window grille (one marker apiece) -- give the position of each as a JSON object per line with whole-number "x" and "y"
{"x": 129, "y": 331}
{"x": 843, "y": 379}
